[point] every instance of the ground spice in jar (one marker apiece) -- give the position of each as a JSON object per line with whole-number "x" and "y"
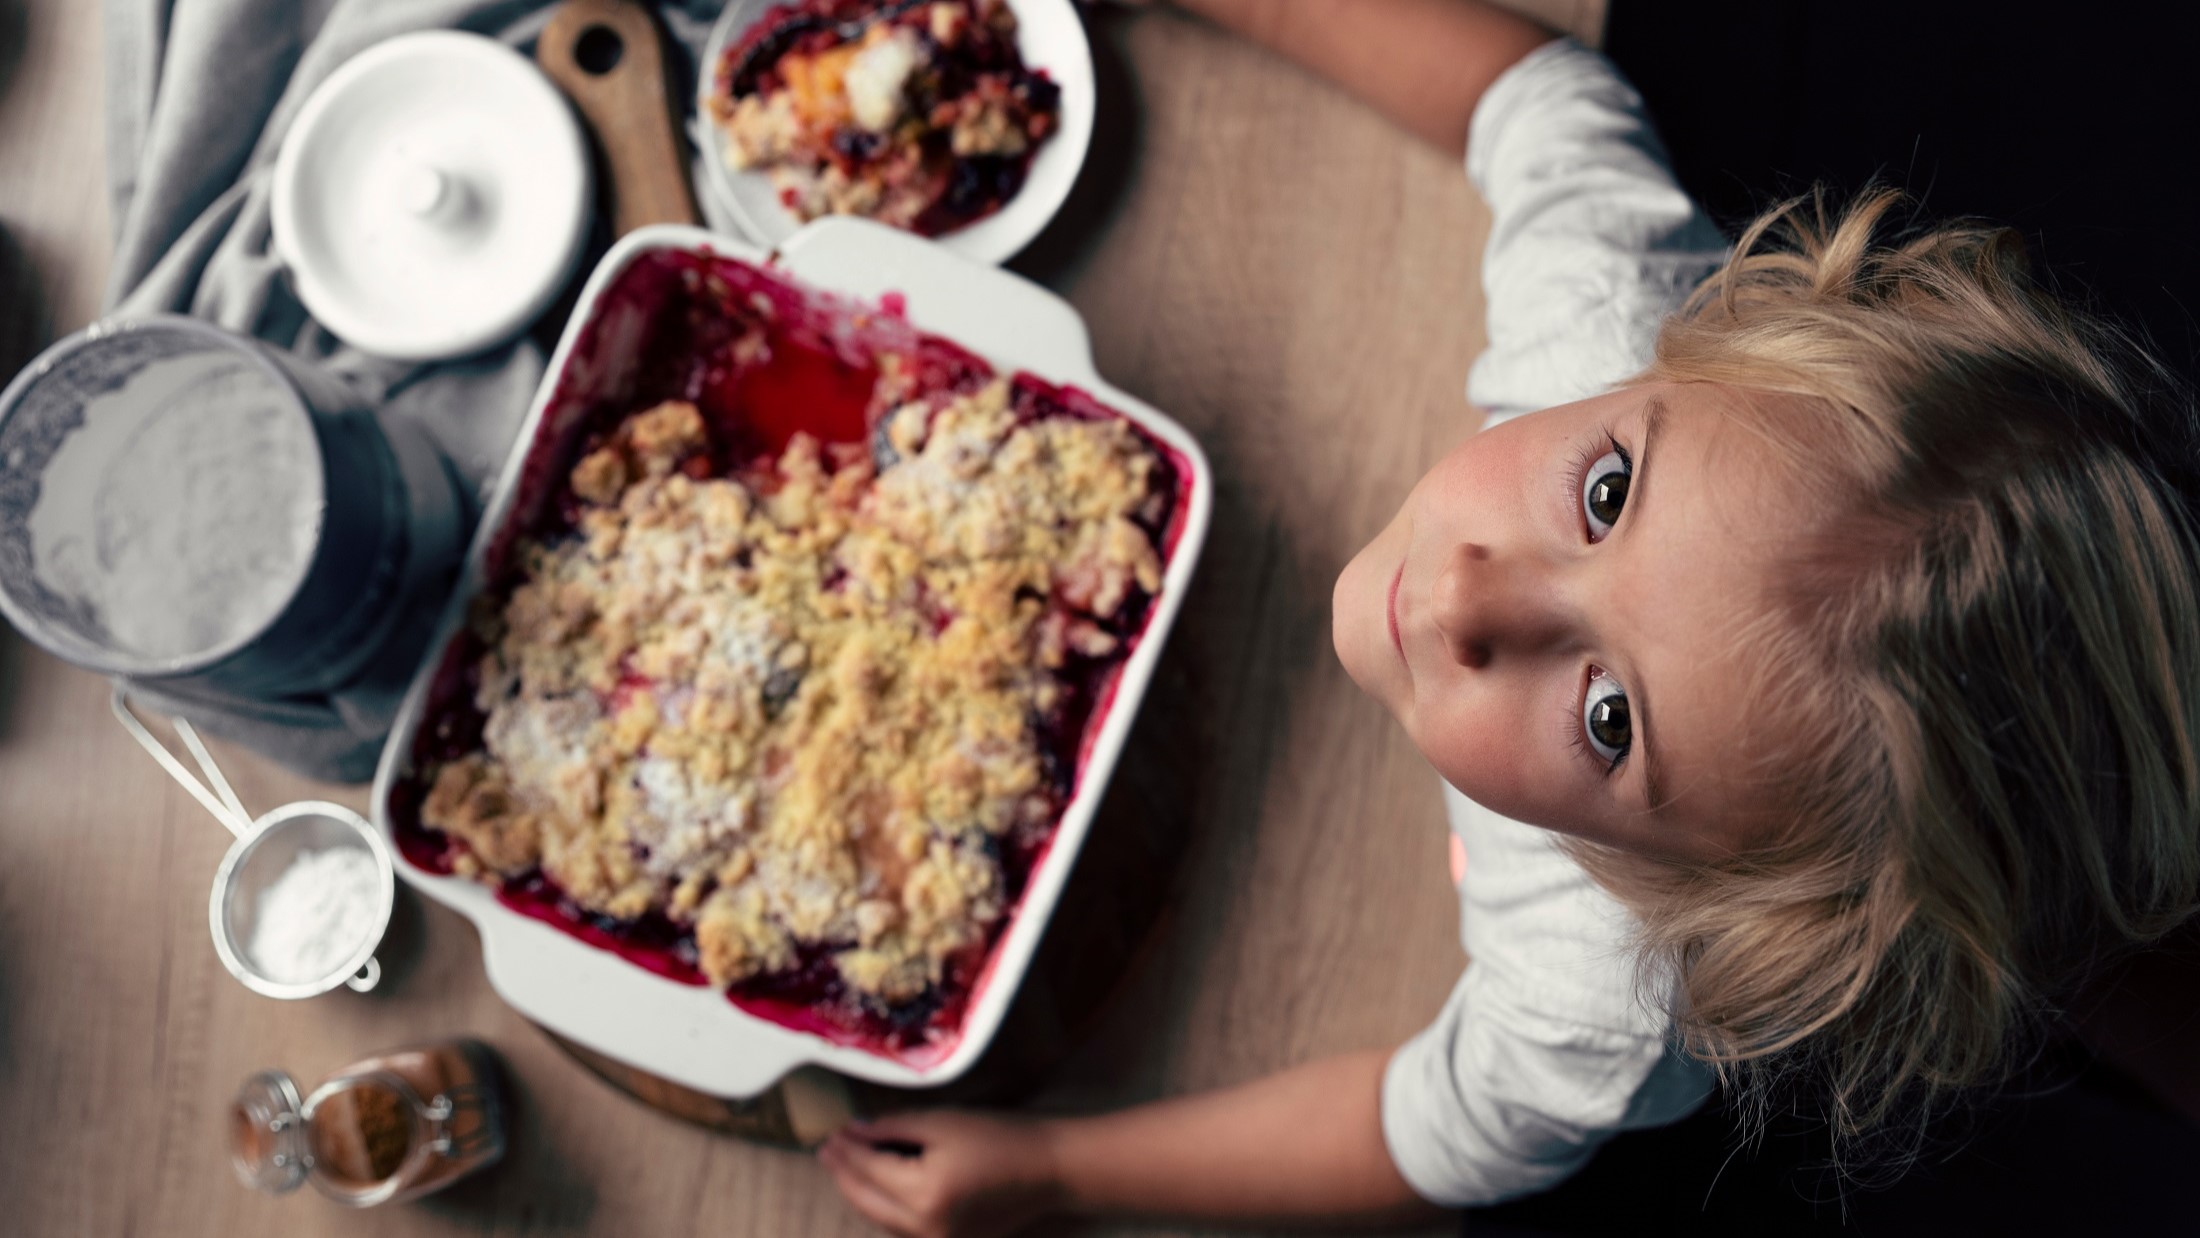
{"x": 383, "y": 1130}
{"x": 362, "y": 1133}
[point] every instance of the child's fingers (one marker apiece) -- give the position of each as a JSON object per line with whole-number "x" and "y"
{"x": 893, "y": 1128}
{"x": 880, "y": 1205}
{"x": 843, "y": 1153}
{"x": 903, "y": 1136}
{"x": 904, "y": 1176}
{"x": 879, "y": 1208}
{"x": 898, "y": 1175}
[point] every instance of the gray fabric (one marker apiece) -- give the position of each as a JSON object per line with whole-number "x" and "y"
{"x": 200, "y": 93}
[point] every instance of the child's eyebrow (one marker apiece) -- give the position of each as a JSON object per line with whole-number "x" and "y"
{"x": 1653, "y": 781}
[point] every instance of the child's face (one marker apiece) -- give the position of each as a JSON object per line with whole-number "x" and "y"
{"x": 1551, "y": 614}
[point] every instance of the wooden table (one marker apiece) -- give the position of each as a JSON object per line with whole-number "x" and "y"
{"x": 1257, "y": 254}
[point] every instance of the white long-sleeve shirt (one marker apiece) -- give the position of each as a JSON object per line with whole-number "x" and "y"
{"x": 1551, "y": 1042}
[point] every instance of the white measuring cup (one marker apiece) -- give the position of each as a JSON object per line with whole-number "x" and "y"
{"x": 265, "y": 848}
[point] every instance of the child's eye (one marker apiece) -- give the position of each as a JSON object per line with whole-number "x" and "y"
{"x": 1604, "y": 491}
{"x": 1605, "y": 719}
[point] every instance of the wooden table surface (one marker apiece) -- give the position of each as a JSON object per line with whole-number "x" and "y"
{"x": 1268, "y": 261}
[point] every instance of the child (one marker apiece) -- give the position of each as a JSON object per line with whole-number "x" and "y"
{"x": 1816, "y": 705}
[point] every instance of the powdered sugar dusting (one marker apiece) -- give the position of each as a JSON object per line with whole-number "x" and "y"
{"x": 313, "y": 918}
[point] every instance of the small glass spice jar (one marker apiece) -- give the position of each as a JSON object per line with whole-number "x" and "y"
{"x": 391, "y": 1128}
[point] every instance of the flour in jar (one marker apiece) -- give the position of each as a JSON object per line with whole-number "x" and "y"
{"x": 182, "y": 515}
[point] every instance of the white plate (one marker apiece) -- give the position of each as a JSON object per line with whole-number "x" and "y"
{"x": 1050, "y": 36}
{"x": 693, "y": 1035}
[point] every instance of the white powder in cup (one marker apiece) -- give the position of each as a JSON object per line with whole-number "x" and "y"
{"x": 183, "y": 513}
{"x": 314, "y": 917}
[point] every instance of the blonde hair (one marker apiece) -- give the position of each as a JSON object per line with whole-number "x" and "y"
{"x": 1986, "y": 673}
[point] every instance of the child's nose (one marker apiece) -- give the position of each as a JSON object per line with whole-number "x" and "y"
{"x": 1488, "y": 605}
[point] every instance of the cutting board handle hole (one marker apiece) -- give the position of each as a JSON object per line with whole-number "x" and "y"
{"x": 598, "y": 50}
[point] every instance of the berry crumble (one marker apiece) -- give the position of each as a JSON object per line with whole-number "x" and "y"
{"x": 927, "y": 121}
{"x": 798, "y": 710}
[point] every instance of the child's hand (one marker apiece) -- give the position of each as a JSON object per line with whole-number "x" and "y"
{"x": 946, "y": 1175}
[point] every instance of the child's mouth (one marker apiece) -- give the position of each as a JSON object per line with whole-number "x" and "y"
{"x": 1390, "y": 610}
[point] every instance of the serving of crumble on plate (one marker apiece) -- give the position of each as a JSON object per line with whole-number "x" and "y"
{"x": 926, "y": 121}
{"x": 965, "y": 120}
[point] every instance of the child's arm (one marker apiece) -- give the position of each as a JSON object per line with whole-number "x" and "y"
{"x": 1303, "y": 1144}
{"x": 1423, "y": 63}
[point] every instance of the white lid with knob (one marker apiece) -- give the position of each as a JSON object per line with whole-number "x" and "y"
{"x": 432, "y": 196}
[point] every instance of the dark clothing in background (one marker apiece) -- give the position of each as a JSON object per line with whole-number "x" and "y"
{"x": 2073, "y": 122}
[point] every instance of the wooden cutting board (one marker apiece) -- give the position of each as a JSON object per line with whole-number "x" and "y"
{"x": 608, "y": 56}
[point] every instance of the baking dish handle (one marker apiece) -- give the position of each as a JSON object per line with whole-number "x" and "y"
{"x": 598, "y": 999}
{"x": 1004, "y": 317}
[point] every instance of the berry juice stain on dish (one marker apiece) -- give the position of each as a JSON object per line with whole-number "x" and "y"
{"x": 800, "y": 387}
{"x": 923, "y": 116}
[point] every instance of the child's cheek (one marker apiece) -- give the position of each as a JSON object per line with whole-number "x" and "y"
{"x": 1486, "y": 745}
{"x": 1346, "y": 624}
{"x": 1359, "y": 623}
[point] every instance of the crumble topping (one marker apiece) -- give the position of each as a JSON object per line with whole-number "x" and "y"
{"x": 798, "y": 710}
{"x": 926, "y": 122}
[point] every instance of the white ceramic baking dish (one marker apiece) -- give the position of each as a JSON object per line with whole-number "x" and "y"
{"x": 692, "y": 1034}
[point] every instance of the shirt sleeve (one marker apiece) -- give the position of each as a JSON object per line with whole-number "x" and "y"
{"x": 1495, "y": 1099}
{"x": 1592, "y": 242}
